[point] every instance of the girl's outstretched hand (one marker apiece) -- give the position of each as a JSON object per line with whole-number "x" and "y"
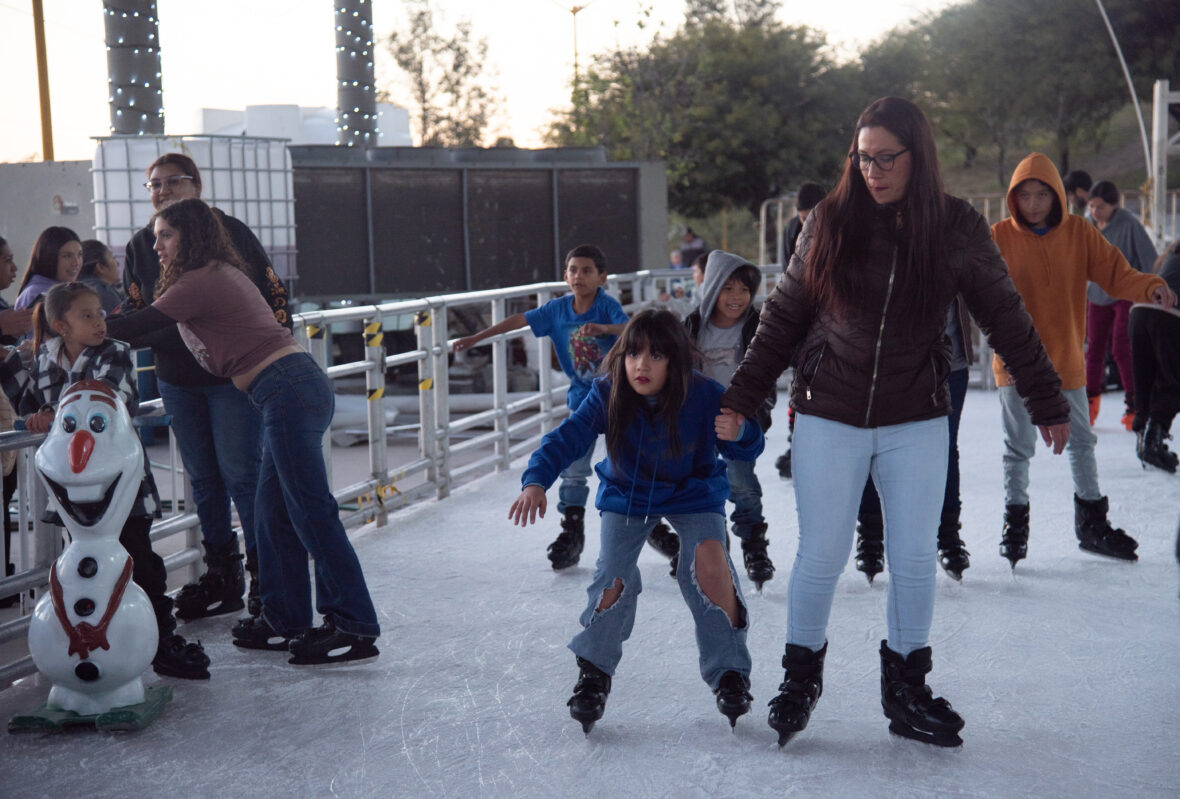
{"x": 728, "y": 424}
{"x": 526, "y": 507}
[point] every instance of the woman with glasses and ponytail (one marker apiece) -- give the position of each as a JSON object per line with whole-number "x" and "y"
{"x": 217, "y": 430}
{"x": 865, "y": 299}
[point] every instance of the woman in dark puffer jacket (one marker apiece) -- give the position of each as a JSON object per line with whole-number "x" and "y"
{"x": 865, "y": 299}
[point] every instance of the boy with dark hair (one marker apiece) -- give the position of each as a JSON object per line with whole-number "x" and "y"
{"x": 722, "y": 328}
{"x": 1077, "y": 188}
{"x": 1051, "y": 254}
{"x": 583, "y": 326}
{"x": 808, "y": 196}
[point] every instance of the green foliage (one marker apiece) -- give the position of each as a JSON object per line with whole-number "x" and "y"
{"x": 444, "y": 76}
{"x": 739, "y": 111}
{"x": 742, "y": 108}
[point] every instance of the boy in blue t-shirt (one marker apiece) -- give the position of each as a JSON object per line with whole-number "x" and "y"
{"x": 583, "y": 325}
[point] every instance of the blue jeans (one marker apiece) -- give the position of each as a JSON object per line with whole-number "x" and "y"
{"x": 1020, "y": 444}
{"x": 745, "y": 492}
{"x": 296, "y": 513}
{"x": 722, "y": 647}
{"x": 832, "y": 462}
{"x": 574, "y": 490}
{"x": 219, "y": 434}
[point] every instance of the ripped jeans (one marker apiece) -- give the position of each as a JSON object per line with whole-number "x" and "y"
{"x": 722, "y": 647}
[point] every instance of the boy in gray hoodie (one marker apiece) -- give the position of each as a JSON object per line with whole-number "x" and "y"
{"x": 722, "y": 328}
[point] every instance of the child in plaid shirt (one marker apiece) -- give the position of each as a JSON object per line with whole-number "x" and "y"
{"x": 71, "y": 345}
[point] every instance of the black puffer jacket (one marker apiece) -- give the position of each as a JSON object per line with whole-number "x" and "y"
{"x": 867, "y": 369}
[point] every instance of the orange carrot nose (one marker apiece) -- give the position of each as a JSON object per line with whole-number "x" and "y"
{"x": 81, "y": 445}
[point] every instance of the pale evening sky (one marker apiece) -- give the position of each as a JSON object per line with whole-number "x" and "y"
{"x": 233, "y": 53}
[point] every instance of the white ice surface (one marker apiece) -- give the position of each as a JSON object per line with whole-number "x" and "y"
{"x": 1067, "y": 673}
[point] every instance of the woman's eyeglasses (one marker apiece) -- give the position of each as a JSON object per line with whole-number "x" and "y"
{"x": 172, "y": 182}
{"x": 884, "y": 161}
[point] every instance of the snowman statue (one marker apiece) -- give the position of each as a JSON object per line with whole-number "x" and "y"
{"x": 94, "y": 633}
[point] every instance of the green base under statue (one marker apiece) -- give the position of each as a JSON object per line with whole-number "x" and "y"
{"x": 129, "y": 717}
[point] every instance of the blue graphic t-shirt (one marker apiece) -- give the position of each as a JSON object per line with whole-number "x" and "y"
{"x": 580, "y": 356}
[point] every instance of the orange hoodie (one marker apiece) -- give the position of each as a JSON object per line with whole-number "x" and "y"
{"x": 1051, "y": 271}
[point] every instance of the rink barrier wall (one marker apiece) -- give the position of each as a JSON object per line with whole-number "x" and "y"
{"x": 451, "y": 447}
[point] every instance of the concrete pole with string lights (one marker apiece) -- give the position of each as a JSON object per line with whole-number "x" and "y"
{"x": 356, "y": 90}
{"x": 133, "y": 67}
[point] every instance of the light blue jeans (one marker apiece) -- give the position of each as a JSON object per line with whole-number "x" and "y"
{"x": 721, "y": 646}
{"x": 574, "y": 490}
{"x": 1020, "y": 444}
{"x": 832, "y": 461}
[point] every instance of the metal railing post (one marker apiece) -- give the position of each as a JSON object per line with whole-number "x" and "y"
{"x": 500, "y": 388}
{"x": 440, "y": 352}
{"x": 427, "y": 427}
{"x": 317, "y": 347}
{"x": 375, "y": 394}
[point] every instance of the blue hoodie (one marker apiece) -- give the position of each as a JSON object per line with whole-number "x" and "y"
{"x": 648, "y": 480}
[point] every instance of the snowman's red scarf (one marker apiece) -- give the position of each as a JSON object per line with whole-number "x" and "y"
{"x": 85, "y": 636}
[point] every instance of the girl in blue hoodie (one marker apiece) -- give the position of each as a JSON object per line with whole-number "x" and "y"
{"x": 663, "y": 426}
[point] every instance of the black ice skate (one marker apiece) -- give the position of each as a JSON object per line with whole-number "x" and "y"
{"x": 590, "y": 693}
{"x": 1095, "y": 533}
{"x": 1014, "y": 540}
{"x": 667, "y": 543}
{"x": 176, "y": 657}
{"x": 325, "y": 644}
{"x": 567, "y": 549}
{"x": 219, "y": 590}
{"x": 909, "y": 704}
{"x": 1152, "y": 448}
{"x": 802, "y": 685}
{"x": 952, "y": 555}
{"x": 253, "y": 632}
{"x": 759, "y": 567}
{"x": 870, "y": 545}
{"x": 783, "y": 464}
{"x": 733, "y": 696}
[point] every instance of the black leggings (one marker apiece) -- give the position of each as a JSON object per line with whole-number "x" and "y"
{"x": 149, "y": 571}
{"x": 1155, "y": 358}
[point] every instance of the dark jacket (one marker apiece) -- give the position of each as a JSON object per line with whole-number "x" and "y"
{"x": 866, "y": 368}
{"x": 141, "y": 269}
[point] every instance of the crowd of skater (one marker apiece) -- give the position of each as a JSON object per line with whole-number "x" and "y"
{"x": 883, "y": 277}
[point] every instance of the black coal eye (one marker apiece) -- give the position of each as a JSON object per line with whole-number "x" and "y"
{"x": 98, "y": 423}
{"x": 69, "y": 424}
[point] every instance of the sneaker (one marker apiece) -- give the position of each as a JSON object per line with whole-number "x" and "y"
{"x": 1128, "y": 421}
{"x": 253, "y": 632}
{"x": 326, "y": 644}
{"x": 1095, "y": 404}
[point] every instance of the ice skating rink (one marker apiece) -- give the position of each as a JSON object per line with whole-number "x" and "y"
{"x": 1067, "y": 673}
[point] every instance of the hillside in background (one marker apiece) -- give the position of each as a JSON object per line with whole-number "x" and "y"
{"x": 1117, "y": 156}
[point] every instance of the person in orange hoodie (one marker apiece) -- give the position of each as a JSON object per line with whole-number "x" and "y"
{"x": 1051, "y": 254}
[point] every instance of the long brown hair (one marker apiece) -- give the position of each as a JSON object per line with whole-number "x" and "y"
{"x": 840, "y": 242}
{"x": 203, "y": 240}
{"x": 43, "y": 259}
{"x": 661, "y": 333}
